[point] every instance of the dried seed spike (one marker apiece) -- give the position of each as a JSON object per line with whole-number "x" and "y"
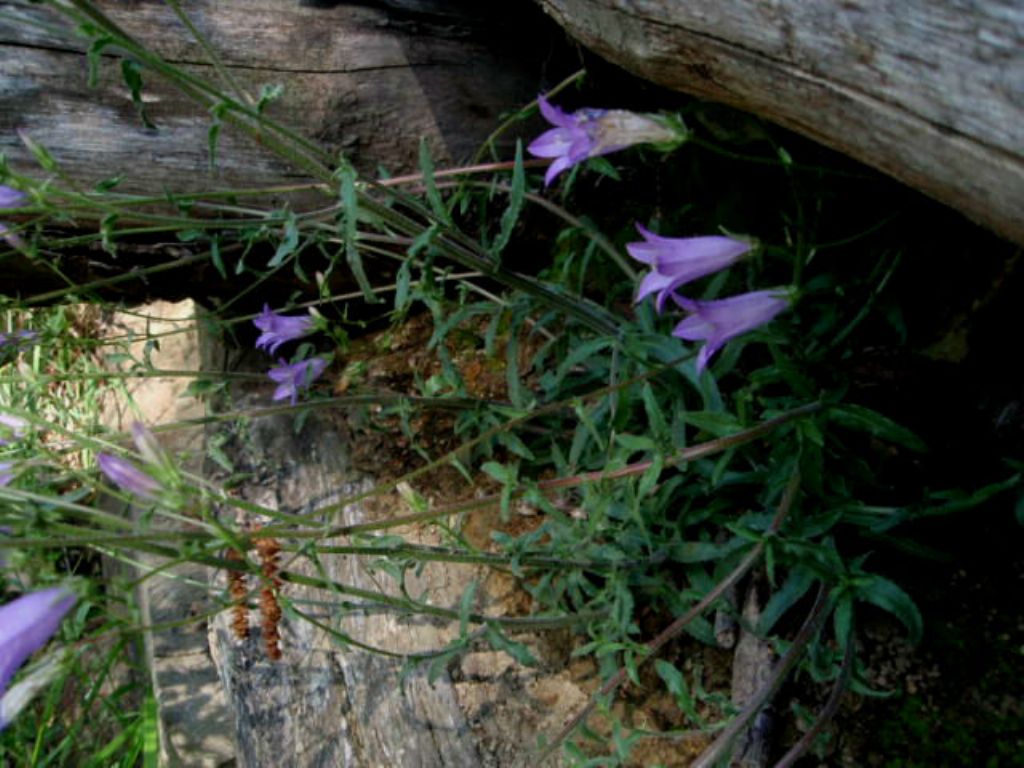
{"x": 238, "y": 590}
{"x": 270, "y": 610}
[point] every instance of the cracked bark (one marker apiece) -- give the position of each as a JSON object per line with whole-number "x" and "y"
{"x": 921, "y": 89}
{"x": 365, "y": 79}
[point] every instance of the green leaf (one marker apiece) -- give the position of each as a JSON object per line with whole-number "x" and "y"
{"x": 655, "y": 416}
{"x": 107, "y": 232}
{"x": 675, "y": 682}
{"x": 581, "y": 353}
{"x": 350, "y": 209}
{"x": 433, "y": 196}
{"x": 39, "y": 152}
{"x": 703, "y": 551}
{"x": 289, "y": 242}
{"x": 466, "y": 608}
{"x": 842, "y": 622}
{"x": 860, "y": 419}
{"x": 890, "y": 597}
{"x": 216, "y": 258}
{"x": 518, "y": 651}
{"x": 403, "y": 282}
{"x": 603, "y": 167}
{"x": 213, "y": 132}
{"x": 515, "y": 204}
{"x": 634, "y": 443}
{"x": 132, "y": 74}
{"x": 649, "y": 479}
{"x": 718, "y": 424}
{"x": 93, "y": 58}
{"x": 795, "y": 586}
{"x": 268, "y": 93}
{"x": 108, "y": 184}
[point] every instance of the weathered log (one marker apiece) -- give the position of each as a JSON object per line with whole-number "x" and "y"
{"x": 368, "y": 80}
{"x": 928, "y": 91}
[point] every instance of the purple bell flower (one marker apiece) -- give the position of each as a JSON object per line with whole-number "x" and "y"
{"x": 10, "y": 198}
{"x": 277, "y": 329}
{"x": 592, "y": 132}
{"x": 6, "y": 472}
{"x": 26, "y": 623}
{"x": 128, "y": 477}
{"x": 11, "y": 426}
{"x": 675, "y": 261}
{"x": 716, "y": 322}
{"x": 291, "y": 377}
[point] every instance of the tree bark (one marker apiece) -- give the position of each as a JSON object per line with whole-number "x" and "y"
{"x": 928, "y": 91}
{"x": 365, "y": 79}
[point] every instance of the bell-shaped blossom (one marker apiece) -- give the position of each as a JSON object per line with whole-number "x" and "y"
{"x": 18, "y": 338}
{"x": 277, "y": 329}
{"x": 291, "y": 377}
{"x": 591, "y": 132}
{"x": 675, "y": 261}
{"x": 147, "y": 444}
{"x": 11, "y": 427}
{"x": 10, "y": 198}
{"x": 26, "y": 623}
{"x": 6, "y": 472}
{"x": 716, "y": 322}
{"x": 21, "y": 694}
{"x": 128, "y": 477}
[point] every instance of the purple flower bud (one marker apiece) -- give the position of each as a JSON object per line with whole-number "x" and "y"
{"x": 128, "y": 477}
{"x": 592, "y": 132}
{"x": 17, "y": 339}
{"x": 26, "y": 623}
{"x": 11, "y": 426}
{"x": 10, "y": 198}
{"x": 6, "y": 472}
{"x": 277, "y": 329}
{"x": 675, "y": 261}
{"x": 292, "y": 377}
{"x": 717, "y": 322}
{"x": 147, "y": 444}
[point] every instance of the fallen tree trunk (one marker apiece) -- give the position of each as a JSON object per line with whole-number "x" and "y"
{"x": 928, "y": 91}
{"x": 367, "y": 80}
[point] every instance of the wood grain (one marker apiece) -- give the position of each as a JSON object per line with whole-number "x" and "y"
{"x": 928, "y": 91}
{"x": 361, "y": 79}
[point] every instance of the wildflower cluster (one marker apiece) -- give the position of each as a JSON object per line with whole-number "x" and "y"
{"x": 275, "y": 330}
{"x": 674, "y": 262}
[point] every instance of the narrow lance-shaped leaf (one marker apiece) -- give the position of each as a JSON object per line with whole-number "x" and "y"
{"x": 350, "y": 212}
{"x": 515, "y": 205}
{"x": 132, "y": 73}
{"x": 433, "y": 196}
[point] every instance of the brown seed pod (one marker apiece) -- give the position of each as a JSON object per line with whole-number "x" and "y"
{"x": 238, "y": 590}
{"x": 268, "y": 551}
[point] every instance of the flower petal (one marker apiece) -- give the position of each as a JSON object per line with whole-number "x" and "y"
{"x": 553, "y": 143}
{"x": 553, "y": 114}
{"x": 26, "y": 623}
